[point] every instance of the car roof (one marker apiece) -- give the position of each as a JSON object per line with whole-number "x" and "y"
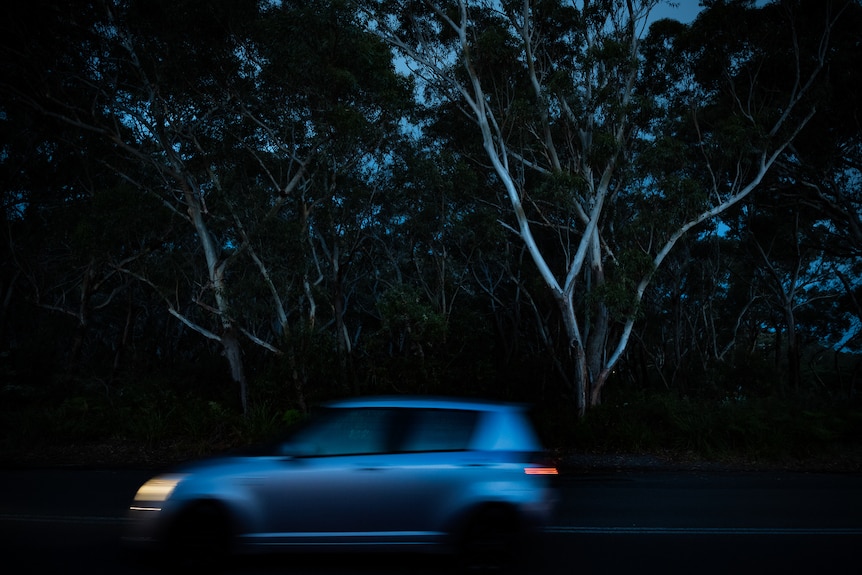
{"x": 427, "y": 402}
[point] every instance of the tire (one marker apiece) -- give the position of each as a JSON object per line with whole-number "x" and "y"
{"x": 492, "y": 541}
{"x": 200, "y": 539}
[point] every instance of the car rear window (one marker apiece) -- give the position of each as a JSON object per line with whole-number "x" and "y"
{"x": 439, "y": 430}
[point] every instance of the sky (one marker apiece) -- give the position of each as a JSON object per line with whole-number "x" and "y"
{"x": 685, "y": 11}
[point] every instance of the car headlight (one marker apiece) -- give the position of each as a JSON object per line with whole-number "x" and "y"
{"x": 157, "y": 489}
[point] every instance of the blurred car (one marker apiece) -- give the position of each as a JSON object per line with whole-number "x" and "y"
{"x": 382, "y": 474}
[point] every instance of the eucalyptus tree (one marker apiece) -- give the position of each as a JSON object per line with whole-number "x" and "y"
{"x": 236, "y": 119}
{"x": 779, "y": 269}
{"x": 825, "y": 180}
{"x": 563, "y": 97}
{"x": 59, "y": 197}
{"x": 431, "y": 236}
{"x": 327, "y": 109}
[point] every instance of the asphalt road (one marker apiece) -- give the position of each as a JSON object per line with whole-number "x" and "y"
{"x": 69, "y": 521}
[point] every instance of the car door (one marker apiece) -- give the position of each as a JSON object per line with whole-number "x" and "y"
{"x": 431, "y": 470}
{"x": 331, "y": 480}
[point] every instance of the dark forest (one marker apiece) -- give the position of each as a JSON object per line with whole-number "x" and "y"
{"x": 219, "y": 214}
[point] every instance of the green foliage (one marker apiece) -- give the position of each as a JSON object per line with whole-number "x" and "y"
{"x": 149, "y": 415}
{"x": 157, "y": 415}
{"x": 407, "y": 352}
{"x": 767, "y": 430}
{"x": 561, "y": 190}
{"x": 399, "y": 236}
{"x": 405, "y": 314}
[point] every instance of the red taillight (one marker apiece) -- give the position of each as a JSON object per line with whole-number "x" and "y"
{"x": 540, "y": 470}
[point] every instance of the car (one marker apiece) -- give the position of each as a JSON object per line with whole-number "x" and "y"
{"x": 459, "y": 476}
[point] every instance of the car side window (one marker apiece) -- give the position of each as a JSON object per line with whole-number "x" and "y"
{"x": 345, "y": 432}
{"x": 439, "y": 430}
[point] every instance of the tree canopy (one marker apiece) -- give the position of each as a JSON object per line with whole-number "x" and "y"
{"x": 533, "y": 200}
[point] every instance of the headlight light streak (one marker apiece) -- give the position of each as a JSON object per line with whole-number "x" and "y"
{"x": 155, "y": 490}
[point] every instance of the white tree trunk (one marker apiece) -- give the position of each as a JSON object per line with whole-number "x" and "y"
{"x": 594, "y": 354}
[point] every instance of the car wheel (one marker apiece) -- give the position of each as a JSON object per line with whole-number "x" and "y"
{"x": 491, "y": 542}
{"x": 200, "y": 539}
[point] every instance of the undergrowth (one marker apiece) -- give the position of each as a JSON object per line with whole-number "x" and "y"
{"x": 151, "y": 416}
{"x": 755, "y": 429}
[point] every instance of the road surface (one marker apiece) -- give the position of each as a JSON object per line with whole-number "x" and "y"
{"x": 69, "y": 521}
